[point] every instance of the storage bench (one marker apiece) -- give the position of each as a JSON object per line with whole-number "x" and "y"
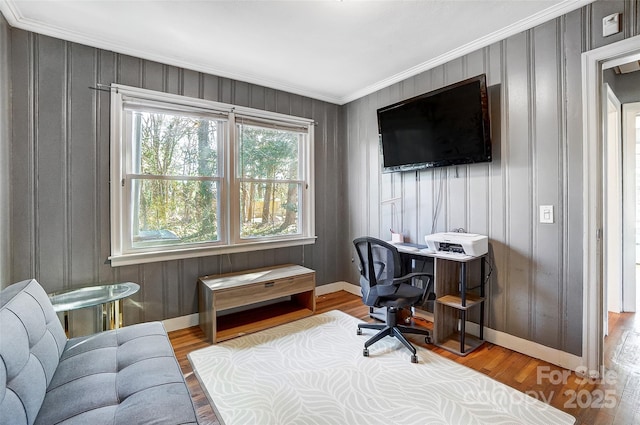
{"x": 218, "y": 293}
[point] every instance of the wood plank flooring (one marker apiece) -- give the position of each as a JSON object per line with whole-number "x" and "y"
{"x": 614, "y": 400}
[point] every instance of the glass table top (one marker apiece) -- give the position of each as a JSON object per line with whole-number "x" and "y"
{"x": 89, "y": 296}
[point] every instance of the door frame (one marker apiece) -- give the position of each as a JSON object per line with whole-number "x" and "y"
{"x": 593, "y": 62}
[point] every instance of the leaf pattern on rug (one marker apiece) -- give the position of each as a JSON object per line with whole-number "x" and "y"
{"x": 312, "y": 372}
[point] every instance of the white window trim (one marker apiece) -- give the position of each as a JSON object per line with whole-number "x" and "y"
{"x": 229, "y": 242}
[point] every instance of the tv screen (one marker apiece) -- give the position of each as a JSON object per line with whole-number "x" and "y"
{"x": 444, "y": 127}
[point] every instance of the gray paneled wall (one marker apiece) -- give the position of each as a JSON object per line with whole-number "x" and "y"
{"x": 626, "y": 86}
{"x": 535, "y": 290}
{"x": 60, "y": 213}
{"x": 5, "y": 132}
{"x": 59, "y": 205}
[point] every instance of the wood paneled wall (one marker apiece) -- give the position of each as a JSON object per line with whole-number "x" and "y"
{"x": 59, "y": 206}
{"x": 626, "y": 86}
{"x": 60, "y": 175}
{"x": 534, "y": 78}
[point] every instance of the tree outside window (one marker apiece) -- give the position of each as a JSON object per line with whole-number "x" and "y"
{"x": 174, "y": 179}
{"x": 270, "y": 181}
{"x": 192, "y": 177}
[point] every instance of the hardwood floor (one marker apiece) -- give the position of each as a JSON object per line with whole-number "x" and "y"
{"x": 613, "y": 400}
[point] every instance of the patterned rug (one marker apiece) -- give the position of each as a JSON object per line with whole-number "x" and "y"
{"x": 312, "y": 372}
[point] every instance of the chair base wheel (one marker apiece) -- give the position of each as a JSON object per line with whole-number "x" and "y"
{"x": 414, "y": 359}
{"x": 428, "y": 340}
{"x": 359, "y": 331}
{"x": 365, "y": 352}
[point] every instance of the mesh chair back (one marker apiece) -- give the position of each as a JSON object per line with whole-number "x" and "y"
{"x": 379, "y": 265}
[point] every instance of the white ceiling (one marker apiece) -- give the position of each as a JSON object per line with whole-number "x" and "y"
{"x": 335, "y": 51}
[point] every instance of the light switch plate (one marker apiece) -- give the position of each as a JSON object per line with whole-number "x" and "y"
{"x": 546, "y": 214}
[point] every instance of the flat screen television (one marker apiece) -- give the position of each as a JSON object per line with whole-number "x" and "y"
{"x": 444, "y": 127}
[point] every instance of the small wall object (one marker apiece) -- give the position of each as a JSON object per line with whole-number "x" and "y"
{"x": 611, "y": 24}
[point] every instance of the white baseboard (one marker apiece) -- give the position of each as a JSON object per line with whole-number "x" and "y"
{"x": 529, "y": 348}
{"x": 338, "y": 286}
{"x": 182, "y": 322}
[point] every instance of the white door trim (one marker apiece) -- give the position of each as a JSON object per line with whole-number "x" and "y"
{"x": 592, "y": 65}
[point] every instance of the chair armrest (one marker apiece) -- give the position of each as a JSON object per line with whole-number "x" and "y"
{"x": 411, "y": 276}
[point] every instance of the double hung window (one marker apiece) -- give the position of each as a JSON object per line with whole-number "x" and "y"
{"x": 191, "y": 177}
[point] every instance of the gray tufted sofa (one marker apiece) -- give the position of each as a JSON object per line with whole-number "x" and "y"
{"x": 125, "y": 376}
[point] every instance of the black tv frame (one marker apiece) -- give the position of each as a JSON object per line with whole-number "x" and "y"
{"x": 486, "y": 133}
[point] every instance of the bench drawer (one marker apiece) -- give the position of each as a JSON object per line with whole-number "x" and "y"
{"x": 264, "y": 291}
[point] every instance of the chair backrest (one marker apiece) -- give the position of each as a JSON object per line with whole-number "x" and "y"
{"x": 379, "y": 265}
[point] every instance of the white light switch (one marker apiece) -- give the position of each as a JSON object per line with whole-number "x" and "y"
{"x": 546, "y": 213}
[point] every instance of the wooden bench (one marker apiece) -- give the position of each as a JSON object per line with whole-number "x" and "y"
{"x": 218, "y": 293}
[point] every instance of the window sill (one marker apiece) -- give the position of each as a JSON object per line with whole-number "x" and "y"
{"x": 180, "y": 254}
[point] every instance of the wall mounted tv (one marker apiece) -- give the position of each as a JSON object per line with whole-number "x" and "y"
{"x": 444, "y": 127}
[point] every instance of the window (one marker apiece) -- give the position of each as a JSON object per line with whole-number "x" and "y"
{"x": 191, "y": 177}
{"x": 270, "y": 181}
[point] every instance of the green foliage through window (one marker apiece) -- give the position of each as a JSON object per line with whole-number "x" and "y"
{"x": 193, "y": 177}
{"x": 175, "y": 198}
{"x": 270, "y": 187}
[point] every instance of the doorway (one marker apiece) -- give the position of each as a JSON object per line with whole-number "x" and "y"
{"x": 622, "y": 187}
{"x": 613, "y": 200}
{"x": 594, "y": 295}
{"x": 621, "y": 177}
{"x": 631, "y": 205}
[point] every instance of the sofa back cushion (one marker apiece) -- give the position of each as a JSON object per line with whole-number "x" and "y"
{"x": 31, "y": 342}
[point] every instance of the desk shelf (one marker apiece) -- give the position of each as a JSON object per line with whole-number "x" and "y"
{"x": 452, "y": 343}
{"x": 454, "y": 300}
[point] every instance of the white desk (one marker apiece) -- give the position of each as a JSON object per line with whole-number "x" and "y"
{"x": 453, "y": 299}
{"x": 424, "y": 251}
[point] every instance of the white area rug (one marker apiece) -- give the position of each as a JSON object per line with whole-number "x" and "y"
{"x": 312, "y": 372}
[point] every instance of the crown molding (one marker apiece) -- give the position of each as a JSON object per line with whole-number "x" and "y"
{"x": 15, "y": 19}
{"x": 9, "y": 11}
{"x": 518, "y": 27}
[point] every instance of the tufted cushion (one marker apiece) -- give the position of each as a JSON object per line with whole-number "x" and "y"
{"x": 124, "y": 376}
{"x": 31, "y": 342}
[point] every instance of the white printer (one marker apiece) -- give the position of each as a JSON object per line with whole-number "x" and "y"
{"x": 471, "y": 244}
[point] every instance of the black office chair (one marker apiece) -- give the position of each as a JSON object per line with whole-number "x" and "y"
{"x": 384, "y": 283}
